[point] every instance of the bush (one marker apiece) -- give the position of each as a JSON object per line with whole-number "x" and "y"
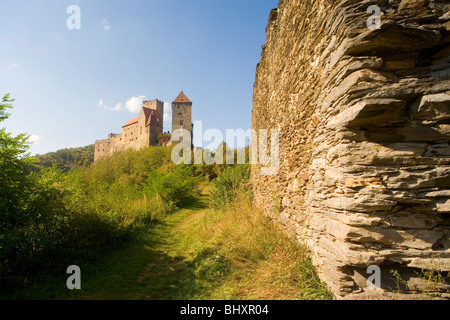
{"x": 179, "y": 187}
{"x": 147, "y": 210}
{"x": 230, "y": 184}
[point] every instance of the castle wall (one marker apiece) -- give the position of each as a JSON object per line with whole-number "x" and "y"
{"x": 153, "y": 135}
{"x": 105, "y": 148}
{"x": 364, "y": 126}
{"x": 102, "y": 149}
{"x": 130, "y": 135}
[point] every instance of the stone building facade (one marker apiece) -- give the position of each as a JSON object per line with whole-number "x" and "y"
{"x": 182, "y": 114}
{"x": 364, "y": 120}
{"x": 144, "y": 131}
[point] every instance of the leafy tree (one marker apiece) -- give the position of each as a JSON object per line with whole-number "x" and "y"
{"x": 15, "y": 166}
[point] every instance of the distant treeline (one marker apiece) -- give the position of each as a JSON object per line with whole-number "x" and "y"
{"x": 68, "y": 159}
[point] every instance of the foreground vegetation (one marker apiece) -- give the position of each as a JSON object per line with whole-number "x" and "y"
{"x": 199, "y": 253}
{"x": 242, "y": 254}
{"x": 51, "y": 219}
{"x": 140, "y": 228}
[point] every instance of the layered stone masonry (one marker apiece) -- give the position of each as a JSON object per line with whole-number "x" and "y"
{"x": 364, "y": 126}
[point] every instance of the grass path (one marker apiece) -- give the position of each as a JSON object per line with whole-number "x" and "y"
{"x": 195, "y": 254}
{"x": 157, "y": 265}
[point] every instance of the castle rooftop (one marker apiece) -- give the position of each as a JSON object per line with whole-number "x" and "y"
{"x": 132, "y": 121}
{"x": 181, "y": 98}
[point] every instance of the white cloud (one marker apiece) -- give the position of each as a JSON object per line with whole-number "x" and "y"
{"x": 106, "y": 25}
{"x": 34, "y": 138}
{"x": 117, "y": 107}
{"x": 15, "y": 64}
{"x": 134, "y": 104}
{"x": 167, "y": 111}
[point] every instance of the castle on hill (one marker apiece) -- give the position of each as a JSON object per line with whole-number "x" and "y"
{"x": 147, "y": 129}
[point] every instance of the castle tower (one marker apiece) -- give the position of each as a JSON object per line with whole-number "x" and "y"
{"x": 155, "y": 105}
{"x": 182, "y": 113}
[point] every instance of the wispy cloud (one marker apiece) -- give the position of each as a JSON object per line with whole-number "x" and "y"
{"x": 106, "y": 25}
{"x": 14, "y": 64}
{"x": 134, "y": 105}
{"x": 35, "y": 138}
{"x": 117, "y": 107}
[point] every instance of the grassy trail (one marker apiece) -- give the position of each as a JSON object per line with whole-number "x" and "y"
{"x": 156, "y": 266}
{"x": 196, "y": 254}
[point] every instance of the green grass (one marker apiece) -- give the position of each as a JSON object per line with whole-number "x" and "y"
{"x": 195, "y": 253}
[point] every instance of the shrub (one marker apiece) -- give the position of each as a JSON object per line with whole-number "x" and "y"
{"x": 230, "y": 184}
{"x": 149, "y": 209}
{"x": 179, "y": 187}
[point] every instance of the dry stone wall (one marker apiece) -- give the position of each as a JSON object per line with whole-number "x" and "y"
{"x": 364, "y": 120}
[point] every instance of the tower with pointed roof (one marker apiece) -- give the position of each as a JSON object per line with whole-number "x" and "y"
{"x": 147, "y": 129}
{"x": 182, "y": 113}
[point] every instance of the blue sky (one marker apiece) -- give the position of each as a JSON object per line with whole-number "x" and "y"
{"x": 73, "y": 87}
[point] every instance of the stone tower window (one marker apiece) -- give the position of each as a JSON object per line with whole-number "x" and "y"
{"x": 181, "y": 123}
{"x": 178, "y": 107}
{"x": 180, "y": 114}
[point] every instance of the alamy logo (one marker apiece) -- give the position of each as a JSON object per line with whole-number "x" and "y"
{"x": 74, "y": 20}
{"x": 374, "y": 281}
{"x": 374, "y": 21}
{"x": 74, "y": 281}
{"x": 263, "y": 151}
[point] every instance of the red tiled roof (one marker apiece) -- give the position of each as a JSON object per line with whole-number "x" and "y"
{"x": 149, "y": 113}
{"x": 182, "y": 98}
{"x": 132, "y": 121}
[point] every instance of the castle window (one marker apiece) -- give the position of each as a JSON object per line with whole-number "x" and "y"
{"x": 181, "y": 123}
{"x": 178, "y": 107}
{"x": 180, "y": 114}
{"x": 141, "y": 131}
